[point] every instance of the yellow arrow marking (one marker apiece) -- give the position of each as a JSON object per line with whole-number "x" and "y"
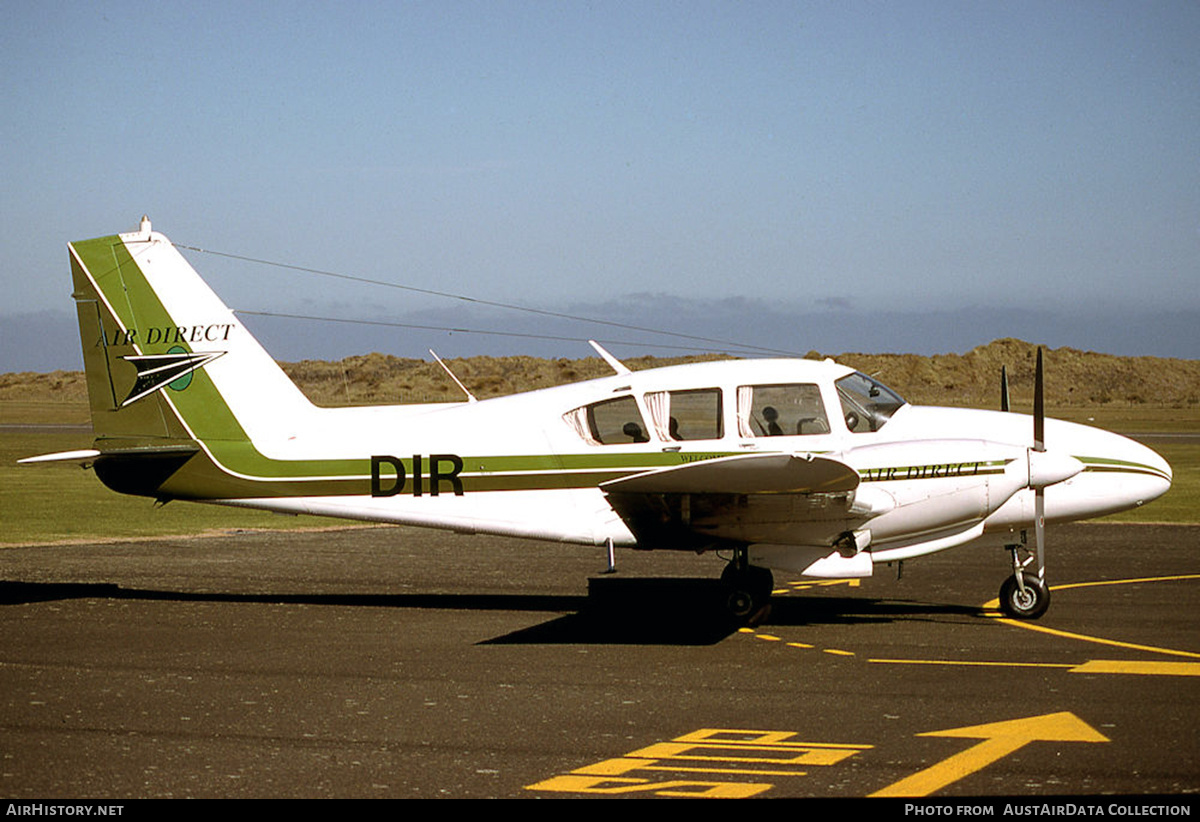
{"x": 802, "y": 584}
{"x": 999, "y": 740}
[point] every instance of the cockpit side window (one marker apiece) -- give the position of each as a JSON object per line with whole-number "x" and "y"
{"x": 686, "y": 415}
{"x": 781, "y": 410}
{"x": 867, "y": 404}
{"x": 611, "y": 422}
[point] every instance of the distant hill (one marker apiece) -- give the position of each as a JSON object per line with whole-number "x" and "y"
{"x": 1073, "y": 378}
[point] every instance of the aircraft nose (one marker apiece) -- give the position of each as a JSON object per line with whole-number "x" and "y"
{"x": 1157, "y": 465}
{"x": 1143, "y": 474}
{"x": 1118, "y": 474}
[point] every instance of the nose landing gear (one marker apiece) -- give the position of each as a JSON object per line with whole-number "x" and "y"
{"x": 1023, "y": 596}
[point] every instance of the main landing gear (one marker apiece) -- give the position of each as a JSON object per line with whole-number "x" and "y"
{"x": 747, "y": 587}
{"x": 1023, "y": 595}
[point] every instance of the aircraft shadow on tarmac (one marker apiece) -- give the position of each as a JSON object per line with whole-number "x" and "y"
{"x": 643, "y": 611}
{"x": 672, "y": 611}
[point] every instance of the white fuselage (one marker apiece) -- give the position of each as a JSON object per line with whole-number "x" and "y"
{"x": 930, "y": 478}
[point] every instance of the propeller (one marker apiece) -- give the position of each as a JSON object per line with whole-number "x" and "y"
{"x": 1039, "y": 446}
{"x": 1022, "y": 597}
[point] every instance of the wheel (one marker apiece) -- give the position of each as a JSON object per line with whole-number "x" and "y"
{"x": 1028, "y": 604}
{"x": 741, "y": 603}
{"x": 749, "y": 590}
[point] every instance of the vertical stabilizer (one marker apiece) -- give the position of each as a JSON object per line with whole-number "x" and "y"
{"x": 164, "y": 356}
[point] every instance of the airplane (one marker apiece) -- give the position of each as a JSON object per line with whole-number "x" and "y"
{"x": 795, "y": 465}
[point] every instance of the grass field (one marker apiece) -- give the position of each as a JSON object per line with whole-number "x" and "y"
{"x": 62, "y": 502}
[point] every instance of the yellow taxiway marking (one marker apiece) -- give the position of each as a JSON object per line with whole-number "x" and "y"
{"x": 999, "y": 739}
{"x": 1124, "y": 666}
{"x": 1101, "y": 583}
{"x": 1019, "y": 623}
{"x": 976, "y": 664}
{"x": 802, "y": 584}
{"x": 1095, "y": 666}
{"x": 707, "y": 757}
{"x": 1092, "y": 666}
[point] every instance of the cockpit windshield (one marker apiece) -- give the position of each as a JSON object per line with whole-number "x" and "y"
{"x": 866, "y": 403}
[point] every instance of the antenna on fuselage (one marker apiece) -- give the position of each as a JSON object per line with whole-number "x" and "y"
{"x": 457, "y": 381}
{"x": 616, "y": 364}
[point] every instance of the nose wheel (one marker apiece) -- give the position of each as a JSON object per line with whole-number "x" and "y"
{"x": 1024, "y": 597}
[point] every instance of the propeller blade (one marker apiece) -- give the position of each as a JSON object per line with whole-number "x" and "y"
{"x": 1004, "y": 388}
{"x": 1039, "y": 407}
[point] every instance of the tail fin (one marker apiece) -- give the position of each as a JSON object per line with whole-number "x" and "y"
{"x": 185, "y": 403}
{"x": 166, "y": 360}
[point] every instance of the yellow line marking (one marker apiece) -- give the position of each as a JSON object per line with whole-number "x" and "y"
{"x": 804, "y": 645}
{"x": 1122, "y": 582}
{"x": 999, "y": 740}
{"x": 980, "y": 664}
{"x": 1019, "y": 623}
{"x": 1117, "y": 666}
{"x": 734, "y": 771}
{"x": 1092, "y": 666}
{"x": 1098, "y": 640}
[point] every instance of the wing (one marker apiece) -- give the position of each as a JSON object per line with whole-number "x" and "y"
{"x": 775, "y": 498}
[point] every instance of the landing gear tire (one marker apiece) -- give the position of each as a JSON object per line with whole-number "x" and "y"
{"x": 749, "y": 592}
{"x": 741, "y": 604}
{"x": 1028, "y": 604}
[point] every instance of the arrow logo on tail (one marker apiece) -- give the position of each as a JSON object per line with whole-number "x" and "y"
{"x": 173, "y": 368}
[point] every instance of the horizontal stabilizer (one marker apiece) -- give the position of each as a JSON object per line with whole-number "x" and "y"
{"x": 744, "y": 474}
{"x": 85, "y": 457}
{"x": 89, "y": 455}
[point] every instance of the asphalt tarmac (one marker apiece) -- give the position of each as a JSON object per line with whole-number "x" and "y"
{"x": 391, "y": 662}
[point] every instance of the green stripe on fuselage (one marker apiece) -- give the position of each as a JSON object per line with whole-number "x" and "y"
{"x": 1103, "y": 465}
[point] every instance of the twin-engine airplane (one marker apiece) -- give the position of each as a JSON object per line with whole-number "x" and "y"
{"x": 797, "y": 465}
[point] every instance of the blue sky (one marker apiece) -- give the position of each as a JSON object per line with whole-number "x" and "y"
{"x": 809, "y": 158}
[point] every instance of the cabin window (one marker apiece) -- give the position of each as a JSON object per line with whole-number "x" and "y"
{"x": 781, "y": 410}
{"x": 612, "y": 422}
{"x": 867, "y": 404}
{"x": 686, "y": 415}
